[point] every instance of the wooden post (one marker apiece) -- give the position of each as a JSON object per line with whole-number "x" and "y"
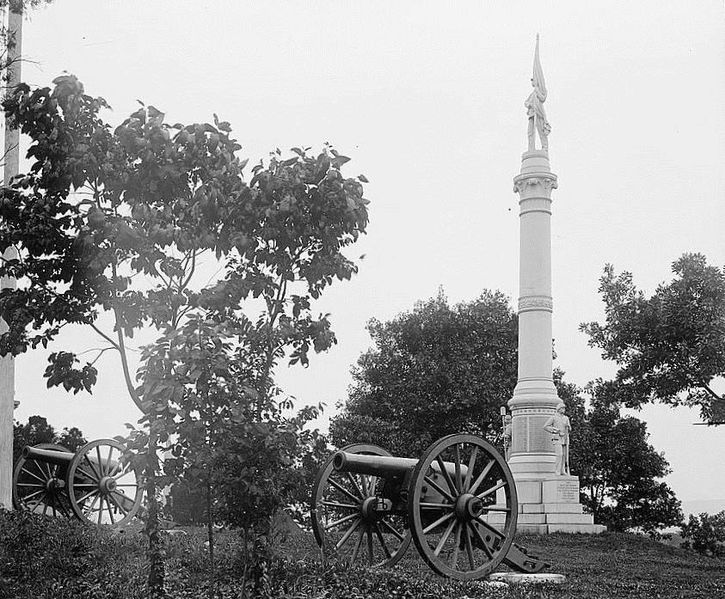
{"x": 11, "y": 168}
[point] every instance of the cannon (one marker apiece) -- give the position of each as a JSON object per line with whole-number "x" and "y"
{"x": 93, "y": 485}
{"x": 457, "y": 503}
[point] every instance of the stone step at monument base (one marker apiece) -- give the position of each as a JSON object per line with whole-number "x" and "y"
{"x": 547, "y": 505}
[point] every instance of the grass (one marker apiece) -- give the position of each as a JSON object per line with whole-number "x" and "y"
{"x": 41, "y": 559}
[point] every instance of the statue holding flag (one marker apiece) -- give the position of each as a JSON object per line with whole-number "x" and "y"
{"x": 535, "y": 106}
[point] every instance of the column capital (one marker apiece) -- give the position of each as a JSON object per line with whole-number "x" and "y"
{"x": 535, "y": 185}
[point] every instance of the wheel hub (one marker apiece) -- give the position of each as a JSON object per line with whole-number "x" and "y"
{"x": 54, "y": 484}
{"x": 468, "y": 507}
{"x": 107, "y": 485}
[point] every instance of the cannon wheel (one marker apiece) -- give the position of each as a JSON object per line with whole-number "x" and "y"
{"x": 37, "y": 483}
{"x": 338, "y": 519}
{"x": 101, "y": 489}
{"x": 457, "y": 525}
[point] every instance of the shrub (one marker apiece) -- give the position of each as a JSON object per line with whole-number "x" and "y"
{"x": 705, "y": 534}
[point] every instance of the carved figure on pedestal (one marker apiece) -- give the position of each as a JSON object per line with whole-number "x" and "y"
{"x": 560, "y": 427}
{"x": 535, "y": 106}
{"x": 507, "y": 436}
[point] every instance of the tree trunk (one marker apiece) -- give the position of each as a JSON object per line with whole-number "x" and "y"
{"x": 155, "y": 549}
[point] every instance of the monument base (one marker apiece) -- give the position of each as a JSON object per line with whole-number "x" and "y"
{"x": 549, "y": 505}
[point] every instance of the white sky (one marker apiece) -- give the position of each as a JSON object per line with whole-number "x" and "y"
{"x": 427, "y": 99}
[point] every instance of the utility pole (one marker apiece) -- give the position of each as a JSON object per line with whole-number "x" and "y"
{"x": 13, "y": 40}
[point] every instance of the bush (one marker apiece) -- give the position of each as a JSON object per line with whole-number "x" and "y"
{"x": 54, "y": 558}
{"x": 705, "y": 534}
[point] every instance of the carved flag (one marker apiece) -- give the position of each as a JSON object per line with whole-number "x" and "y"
{"x": 538, "y": 77}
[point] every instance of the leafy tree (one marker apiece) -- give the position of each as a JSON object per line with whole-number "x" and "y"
{"x": 670, "y": 346}
{"x": 618, "y": 469}
{"x": 705, "y": 534}
{"x": 129, "y": 223}
{"x": 37, "y": 430}
{"x": 433, "y": 371}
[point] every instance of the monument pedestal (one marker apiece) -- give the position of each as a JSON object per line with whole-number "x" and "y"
{"x": 549, "y": 505}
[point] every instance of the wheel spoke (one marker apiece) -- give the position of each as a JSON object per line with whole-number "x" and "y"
{"x": 35, "y": 476}
{"x": 469, "y": 548}
{"x": 90, "y": 508}
{"x": 496, "y": 487}
{"x": 487, "y": 526}
{"x": 381, "y": 539}
{"x": 108, "y": 461}
{"x": 97, "y": 475}
{"x": 100, "y": 510}
{"x": 436, "y": 506}
{"x": 343, "y": 490}
{"x": 341, "y": 521}
{"x": 444, "y": 538}
{"x": 440, "y": 520}
{"x": 355, "y": 551}
{"x": 347, "y": 534}
{"x": 110, "y": 510}
{"x": 438, "y": 488}
{"x": 45, "y": 505}
{"x": 100, "y": 461}
{"x": 446, "y": 475}
{"x": 459, "y": 482}
{"x": 87, "y": 495}
{"x": 354, "y": 484}
{"x": 391, "y": 529}
{"x": 51, "y": 496}
{"x": 123, "y": 510}
{"x": 456, "y": 547}
{"x": 481, "y": 476}
{"x": 40, "y": 470}
{"x": 469, "y": 472}
{"x": 33, "y": 494}
{"x": 481, "y": 540}
{"x": 346, "y": 506}
{"x": 31, "y": 485}
{"x": 494, "y": 508}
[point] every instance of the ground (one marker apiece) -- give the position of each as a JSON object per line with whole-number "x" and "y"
{"x": 45, "y": 559}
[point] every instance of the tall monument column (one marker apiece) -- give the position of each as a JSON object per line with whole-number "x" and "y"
{"x": 548, "y": 501}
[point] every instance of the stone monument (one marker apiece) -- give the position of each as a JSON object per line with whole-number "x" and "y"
{"x": 548, "y": 495}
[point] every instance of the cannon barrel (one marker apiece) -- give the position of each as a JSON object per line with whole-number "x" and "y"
{"x": 377, "y": 465}
{"x": 49, "y": 456}
{"x": 62, "y": 458}
{"x": 381, "y": 465}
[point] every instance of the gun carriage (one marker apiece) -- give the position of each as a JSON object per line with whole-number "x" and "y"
{"x": 93, "y": 485}
{"x": 457, "y": 503}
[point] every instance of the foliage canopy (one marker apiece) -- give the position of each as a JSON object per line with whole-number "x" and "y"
{"x": 670, "y": 346}
{"x": 435, "y": 370}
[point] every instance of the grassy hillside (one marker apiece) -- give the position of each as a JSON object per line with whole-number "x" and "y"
{"x": 43, "y": 559}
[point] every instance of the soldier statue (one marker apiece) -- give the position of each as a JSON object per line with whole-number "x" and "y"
{"x": 560, "y": 427}
{"x": 535, "y": 106}
{"x": 507, "y": 436}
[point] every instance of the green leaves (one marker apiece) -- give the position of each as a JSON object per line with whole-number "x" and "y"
{"x": 62, "y": 371}
{"x": 671, "y": 345}
{"x": 434, "y": 370}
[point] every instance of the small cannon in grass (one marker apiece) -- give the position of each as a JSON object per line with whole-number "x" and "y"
{"x": 457, "y": 503}
{"x": 93, "y": 484}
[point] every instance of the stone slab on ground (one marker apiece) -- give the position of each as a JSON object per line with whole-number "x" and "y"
{"x": 519, "y": 578}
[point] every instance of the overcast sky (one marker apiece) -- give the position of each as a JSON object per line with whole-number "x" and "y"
{"x": 427, "y": 100}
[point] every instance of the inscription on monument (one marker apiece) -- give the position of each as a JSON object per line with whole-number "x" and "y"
{"x": 561, "y": 491}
